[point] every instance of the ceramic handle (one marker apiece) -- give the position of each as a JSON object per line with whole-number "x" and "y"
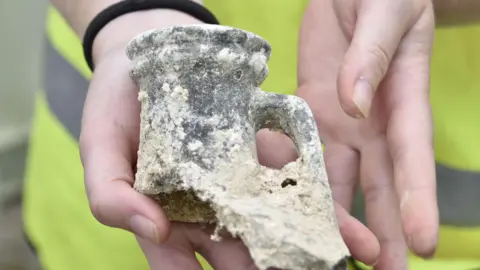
{"x": 292, "y": 115}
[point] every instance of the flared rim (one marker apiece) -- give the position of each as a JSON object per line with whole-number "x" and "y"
{"x": 196, "y": 34}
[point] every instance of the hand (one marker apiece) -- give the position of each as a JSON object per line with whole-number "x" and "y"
{"x": 370, "y": 59}
{"x": 109, "y": 144}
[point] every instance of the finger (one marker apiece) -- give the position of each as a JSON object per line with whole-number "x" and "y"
{"x": 319, "y": 58}
{"x": 379, "y": 29}
{"x": 108, "y": 144}
{"x": 227, "y": 253}
{"x": 381, "y": 205}
{"x": 361, "y": 241}
{"x": 410, "y": 138}
{"x": 342, "y": 163}
{"x": 177, "y": 253}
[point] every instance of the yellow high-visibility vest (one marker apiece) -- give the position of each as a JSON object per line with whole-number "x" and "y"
{"x": 57, "y": 217}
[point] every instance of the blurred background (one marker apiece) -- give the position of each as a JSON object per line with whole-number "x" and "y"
{"x": 21, "y": 46}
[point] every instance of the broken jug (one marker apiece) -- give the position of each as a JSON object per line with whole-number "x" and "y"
{"x": 201, "y": 107}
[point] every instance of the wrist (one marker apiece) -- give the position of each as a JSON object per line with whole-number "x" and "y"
{"x": 117, "y": 33}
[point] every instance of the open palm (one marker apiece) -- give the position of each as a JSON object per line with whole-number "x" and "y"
{"x": 366, "y": 77}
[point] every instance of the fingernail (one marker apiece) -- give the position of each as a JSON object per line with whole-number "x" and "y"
{"x": 363, "y": 96}
{"x": 144, "y": 228}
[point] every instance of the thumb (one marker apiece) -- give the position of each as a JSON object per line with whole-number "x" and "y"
{"x": 108, "y": 180}
{"x": 108, "y": 145}
{"x": 379, "y": 29}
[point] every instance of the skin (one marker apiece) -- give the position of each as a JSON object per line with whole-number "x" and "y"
{"x": 386, "y": 138}
{"x": 383, "y": 133}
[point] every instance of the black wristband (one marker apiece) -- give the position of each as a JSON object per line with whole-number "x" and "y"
{"x": 124, "y": 7}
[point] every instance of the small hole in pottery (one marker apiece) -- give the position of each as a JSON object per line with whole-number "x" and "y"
{"x": 288, "y": 182}
{"x": 238, "y": 74}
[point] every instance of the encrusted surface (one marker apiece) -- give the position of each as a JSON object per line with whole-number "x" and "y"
{"x": 201, "y": 108}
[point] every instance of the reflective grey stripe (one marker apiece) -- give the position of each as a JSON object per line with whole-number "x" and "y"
{"x": 65, "y": 89}
{"x": 458, "y": 191}
{"x": 458, "y": 197}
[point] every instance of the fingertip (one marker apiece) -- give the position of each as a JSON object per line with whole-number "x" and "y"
{"x": 420, "y": 228}
{"x": 117, "y": 204}
{"x": 354, "y": 95}
{"x": 352, "y": 110}
{"x": 363, "y": 93}
{"x": 362, "y": 243}
{"x": 145, "y": 228}
{"x": 366, "y": 246}
{"x": 423, "y": 244}
{"x": 149, "y": 217}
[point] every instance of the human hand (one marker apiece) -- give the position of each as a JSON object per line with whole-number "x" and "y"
{"x": 371, "y": 59}
{"x": 108, "y": 146}
{"x": 109, "y": 143}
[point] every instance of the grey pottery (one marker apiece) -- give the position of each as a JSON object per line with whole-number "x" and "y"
{"x": 200, "y": 110}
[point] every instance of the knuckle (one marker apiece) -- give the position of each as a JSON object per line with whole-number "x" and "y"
{"x": 394, "y": 240}
{"x": 380, "y": 57}
{"x": 374, "y": 193}
{"x": 96, "y": 207}
{"x": 399, "y": 153}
